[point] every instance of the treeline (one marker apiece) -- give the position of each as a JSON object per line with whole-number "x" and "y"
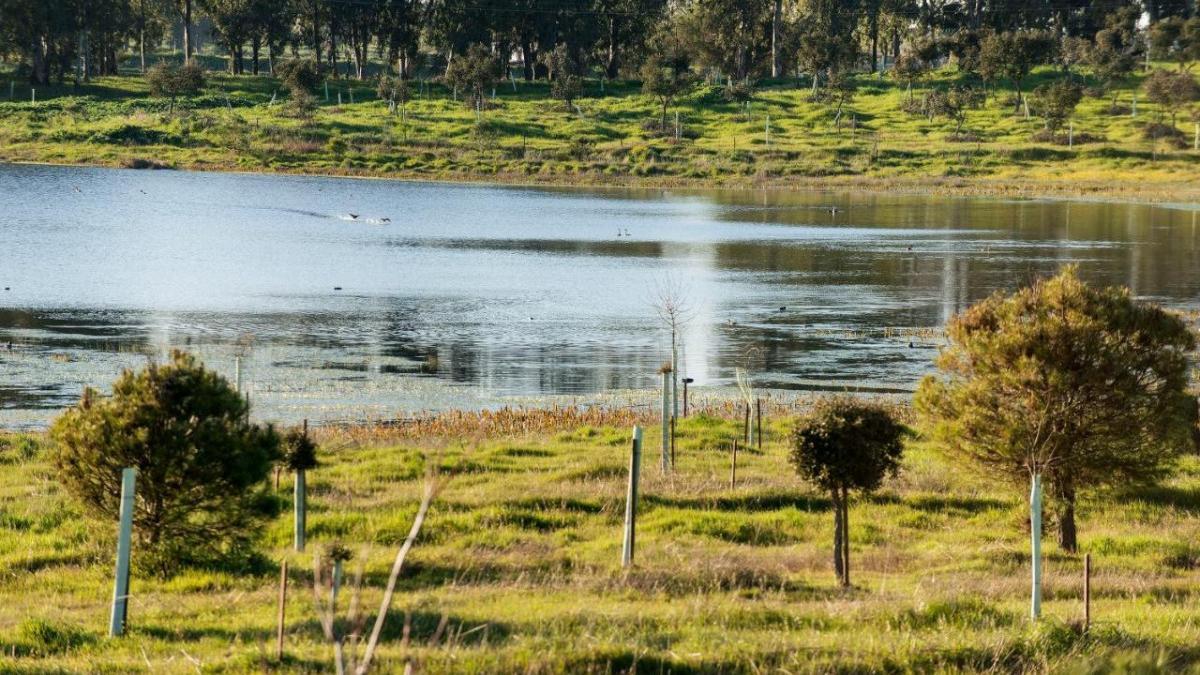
{"x": 730, "y": 40}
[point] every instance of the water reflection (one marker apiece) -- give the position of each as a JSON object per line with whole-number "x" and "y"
{"x": 472, "y": 295}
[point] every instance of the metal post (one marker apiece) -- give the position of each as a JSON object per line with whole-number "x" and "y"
{"x": 299, "y": 510}
{"x": 1087, "y": 591}
{"x": 237, "y": 374}
{"x": 686, "y": 382}
{"x": 33, "y": 95}
{"x": 1071, "y": 134}
{"x": 768, "y": 130}
{"x": 120, "y": 603}
{"x": 631, "y": 497}
{"x": 1035, "y": 534}
{"x": 283, "y": 579}
{"x": 666, "y": 418}
{"x": 327, "y": 91}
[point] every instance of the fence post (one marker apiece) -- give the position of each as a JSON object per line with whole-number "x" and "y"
{"x": 672, "y": 443}
{"x": 1071, "y": 134}
{"x": 327, "y": 91}
{"x": 237, "y": 374}
{"x": 283, "y": 581}
{"x": 120, "y": 603}
{"x": 758, "y": 421}
{"x": 631, "y": 497}
{"x": 1087, "y": 591}
{"x": 1035, "y": 534}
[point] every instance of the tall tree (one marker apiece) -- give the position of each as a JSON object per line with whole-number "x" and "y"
{"x": 1080, "y": 385}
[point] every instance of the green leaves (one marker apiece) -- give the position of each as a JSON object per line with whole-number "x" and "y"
{"x": 1085, "y": 385}
{"x": 202, "y": 465}
{"x": 847, "y": 444}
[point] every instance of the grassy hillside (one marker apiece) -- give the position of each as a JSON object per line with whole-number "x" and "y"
{"x": 525, "y": 136}
{"x": 521, "y": 557}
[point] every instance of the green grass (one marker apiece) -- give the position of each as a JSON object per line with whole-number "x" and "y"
{"x": 521, "y": 555}
{"x": 528, "y": 137}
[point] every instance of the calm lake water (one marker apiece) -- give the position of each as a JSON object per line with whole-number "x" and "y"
{"x": 441, "y": 296}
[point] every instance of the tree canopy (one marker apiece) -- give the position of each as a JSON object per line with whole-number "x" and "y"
{"x": 1085, "y": 386}
{"x": 202, "y": 465}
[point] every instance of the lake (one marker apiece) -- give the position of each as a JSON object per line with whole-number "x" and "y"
{"x": 352, "y": 299}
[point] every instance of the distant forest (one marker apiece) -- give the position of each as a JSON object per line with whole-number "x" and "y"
{"x": 726, "y": 40}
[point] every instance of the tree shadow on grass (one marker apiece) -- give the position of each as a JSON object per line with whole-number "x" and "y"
{"x": 771, "y": 501}
{"x": 1183, "y": 499}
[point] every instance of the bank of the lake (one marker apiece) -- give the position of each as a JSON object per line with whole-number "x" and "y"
{"x": 520, "y": 559}
{"x": 783, "y": 140}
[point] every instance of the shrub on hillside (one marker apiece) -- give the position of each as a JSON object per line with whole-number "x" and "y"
{"x": 202, "y": 465}
{"x": 171, "y": 82}
{"x": 299, "y": 75}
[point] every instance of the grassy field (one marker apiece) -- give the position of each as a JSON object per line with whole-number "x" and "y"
{"x": 521, "y": 558}
{"x": 527, "y": 137}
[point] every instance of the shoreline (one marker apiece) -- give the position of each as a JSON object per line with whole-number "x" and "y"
{"x": 1166, "y": 195}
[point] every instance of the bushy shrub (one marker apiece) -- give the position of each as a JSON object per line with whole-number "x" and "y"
{"x": 1056, "y": 101}
{"x": 202, "y": 465}
{"x": 299, "y": 75}
{"x": 168, "y": 81}
{"x": 846, "y": 444}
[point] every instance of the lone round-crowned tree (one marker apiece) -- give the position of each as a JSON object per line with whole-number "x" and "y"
{"x": 846, "y": 444}
{"x": 202, "y": 466}
{"x": 1083, "y": 386}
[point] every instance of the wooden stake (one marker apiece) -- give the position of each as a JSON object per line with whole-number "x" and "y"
{"x": 635, "y": 462}
{"x": 733, "y": 467}
{"x": 1087, "y": 591}
{"x": 283, "y": 581}
{"x": 758, "y": 421}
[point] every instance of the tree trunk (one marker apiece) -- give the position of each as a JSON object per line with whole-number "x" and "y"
{"x": 839, "y": 540}
{"x": 776, "y": 48}
{"x": 1067, "y": 540}
{"x": 142, "y": 49}
{"x": 40, "y": 74}
{"x": 875, "y": 41}
{"x": 255, "y": 51}
{"x": 187, "y": 31}
{"x": 612, "y": 66}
